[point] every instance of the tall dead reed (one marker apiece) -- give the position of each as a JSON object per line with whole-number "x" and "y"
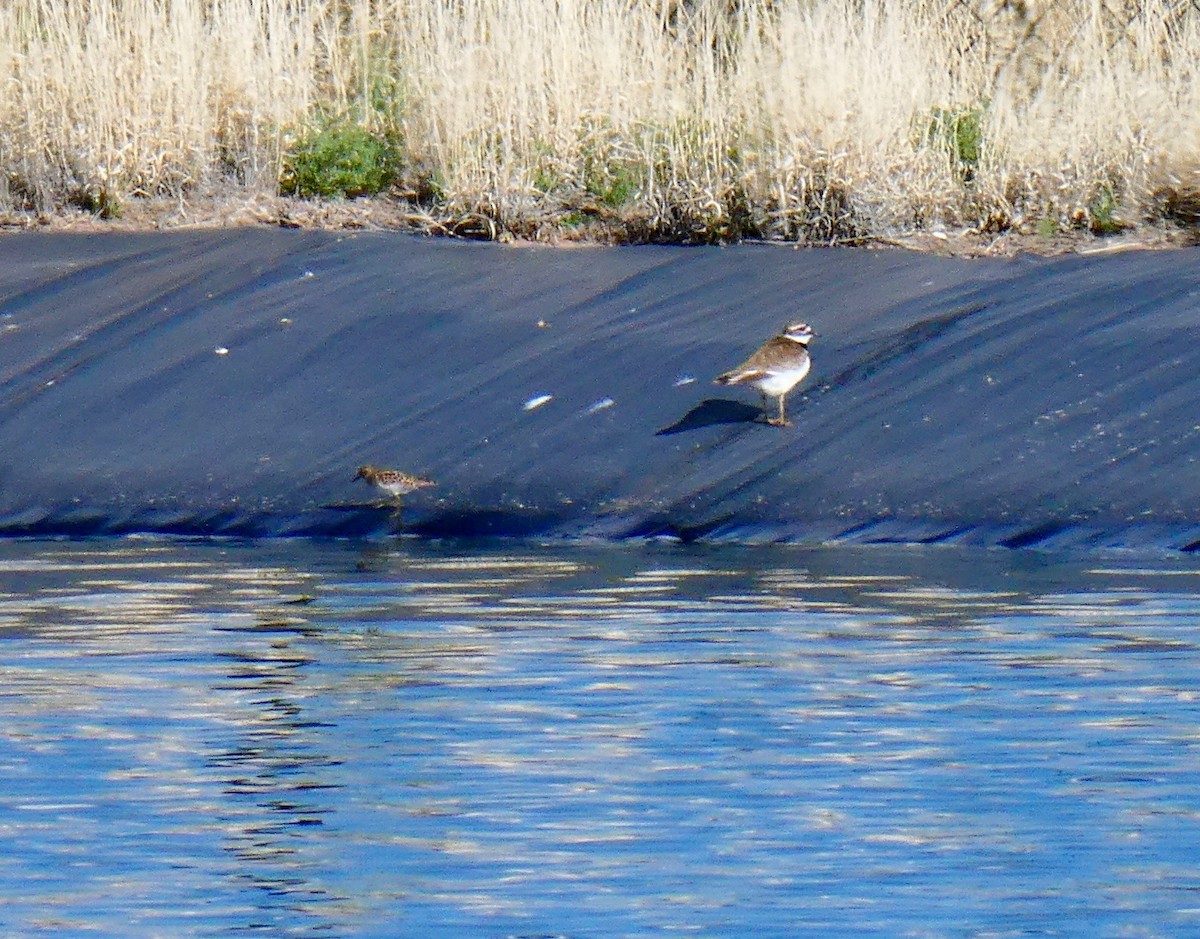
{"x": 808, "y": 120}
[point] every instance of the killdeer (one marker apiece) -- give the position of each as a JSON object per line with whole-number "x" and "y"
{"x": 776, "y": 368}
{"x": 395, "y": 483}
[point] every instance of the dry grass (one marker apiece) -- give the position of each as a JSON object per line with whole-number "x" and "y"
{"x": 702, "y": 120}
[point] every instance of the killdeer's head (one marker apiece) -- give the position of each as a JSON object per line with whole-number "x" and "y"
{"x": 799, "y": 332}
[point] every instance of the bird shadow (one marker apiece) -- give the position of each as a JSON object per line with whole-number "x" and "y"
{"x": 369, "y": 513}
{"x": 713, "y": 411}
{"x": 359, "y": 506}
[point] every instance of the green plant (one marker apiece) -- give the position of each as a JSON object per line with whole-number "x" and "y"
{"x": 544, "y": 162}
{"x": 1047, "y": 226}
{"x": 957, "y": 131}
{"x": 609, "y": 177}
{"x": 545, "y": 180}
{"x": 620, "y": 186}
{"x": 612, "y": 184}
{"x": 339, "y": 158}
{"x": 429, "y": 187}
{"x": 99, "y": 201}
{"x": 1102, "y": 212}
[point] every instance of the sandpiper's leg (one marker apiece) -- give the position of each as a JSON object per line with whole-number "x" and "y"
{"x": 766, "y": 408}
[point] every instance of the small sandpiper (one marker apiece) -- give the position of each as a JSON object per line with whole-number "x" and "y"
{"x": 777, "y": 367}
{"x": 395, "y": 483}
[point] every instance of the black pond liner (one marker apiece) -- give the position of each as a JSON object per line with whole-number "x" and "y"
{"x": 230, "y": 383}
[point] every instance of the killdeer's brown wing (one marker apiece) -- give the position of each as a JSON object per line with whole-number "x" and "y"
{"x": 773, "y": 354}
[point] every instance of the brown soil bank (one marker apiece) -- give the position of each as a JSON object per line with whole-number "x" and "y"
{"x": 231, "y": 382}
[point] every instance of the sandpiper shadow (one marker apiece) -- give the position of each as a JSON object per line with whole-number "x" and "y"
{"x": 358, "y": 506}
{"x": 363, "y": 518}
{"x": 713, "y": 411}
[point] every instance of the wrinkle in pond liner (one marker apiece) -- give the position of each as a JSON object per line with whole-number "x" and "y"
{"x": 230, "y": 382}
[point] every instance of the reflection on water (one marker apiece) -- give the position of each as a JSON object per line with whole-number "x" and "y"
{"x": 333, "y": 740}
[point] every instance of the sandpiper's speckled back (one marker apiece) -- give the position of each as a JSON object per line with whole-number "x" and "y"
{"x": 393, "y": 482}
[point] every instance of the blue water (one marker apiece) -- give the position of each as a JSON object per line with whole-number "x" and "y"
{"x": 298, "y": 739}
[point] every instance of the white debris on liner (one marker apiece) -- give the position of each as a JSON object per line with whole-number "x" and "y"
{"x": 683, "y": 380}
{"x": 221, "y": 350}
{"x": 536, "y": 402}
{"x": 601, "y": 405}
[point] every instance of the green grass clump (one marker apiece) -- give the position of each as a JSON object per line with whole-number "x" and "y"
{"x": 97, "y": 200}
{"x": 617, "y": 187}
{"x": 958, "y": 131}
{"x": 611, "y": 179}
{"x": 340, "y": 158}
{"x": 1102, "y": 213}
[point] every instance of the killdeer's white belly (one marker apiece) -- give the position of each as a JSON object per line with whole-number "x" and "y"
{"x": 781, "y": 381}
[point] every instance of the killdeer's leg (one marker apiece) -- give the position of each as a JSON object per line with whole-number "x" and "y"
{"x": 782, "y": 421}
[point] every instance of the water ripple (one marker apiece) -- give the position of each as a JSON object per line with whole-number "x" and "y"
{"x": 330, "y": 739}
